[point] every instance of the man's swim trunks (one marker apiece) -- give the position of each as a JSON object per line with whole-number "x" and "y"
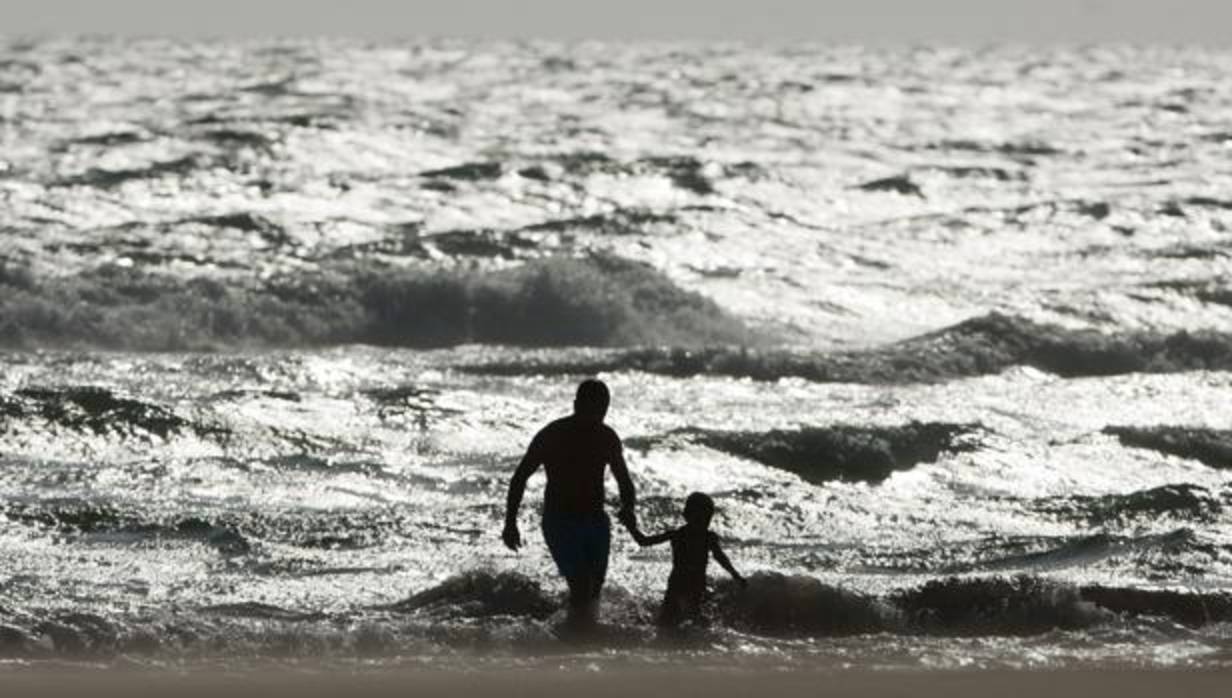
{"x": 579, "y": 543}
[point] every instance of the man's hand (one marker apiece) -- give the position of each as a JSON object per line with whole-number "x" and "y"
{"x": 627, "y": 517}
{"x": 512, "y": 536}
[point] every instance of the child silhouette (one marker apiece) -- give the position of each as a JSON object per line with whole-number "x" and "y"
{"x": 692, "y": 545}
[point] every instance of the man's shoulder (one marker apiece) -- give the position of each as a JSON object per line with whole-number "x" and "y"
{"x": 551, "y": 430}
{"x": 610, "y": 433}
{"x": 570, "y": 427}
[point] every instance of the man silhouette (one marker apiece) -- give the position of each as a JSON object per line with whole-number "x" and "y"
{"x": 575, "y": 451}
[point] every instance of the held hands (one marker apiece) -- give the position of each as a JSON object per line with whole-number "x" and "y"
{"x": 628, "y": 518}
{"x": 512, "y": 536}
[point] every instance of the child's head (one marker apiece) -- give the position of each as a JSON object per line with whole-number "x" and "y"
{"x": 698, "y": 509}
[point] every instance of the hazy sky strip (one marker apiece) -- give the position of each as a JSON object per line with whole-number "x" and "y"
{"x": 957, "y": 21}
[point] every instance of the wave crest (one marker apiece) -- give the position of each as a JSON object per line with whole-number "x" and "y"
{"x": 481, "y": 593}
{"x": 983, "y": 345}
{"x": 846, "y": 452}
{"x": 598, "y": 300}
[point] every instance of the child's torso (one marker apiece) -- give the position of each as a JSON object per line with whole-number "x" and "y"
{"x": 690, "y": 555}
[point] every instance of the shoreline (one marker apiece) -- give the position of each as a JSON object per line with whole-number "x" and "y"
{"x": 852, "y": 683}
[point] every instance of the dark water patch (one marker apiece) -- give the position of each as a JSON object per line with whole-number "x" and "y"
{"x": 263, "y": 611}
{"x": 845, "y": 453}
{"x": 16, "y": 273}
{"x": 536, "y": 172}
{"x": 228, "y": 533}
{"x": 404, "y": 400}
{"x": 597, "y": 300}
{"x": 20, "y": 643}
{"x": 1190, "y": 608}
{"x": 111, "y": 139}
{"x": 106, "y": 179}
{"x": 235, "y": 139}
{"x": 587, "y": 162}
{"x": 489, "y": 244}
{"x": 899, "y": 184}
{"x": 401, "y": 240}
{"x": 321, "y": 121}
{"x": 1212, "y": 447}
{"x": 748, "y": 170}
{"x": 1022, "y": 605}
{"x": 485, "y": 243}
{"x": 266, "y": 229}
{"x": 1098, "y": 210}
{"x": 225, "y": 539}
{"x": 1216, "y": 291}
{"x": 75, "y": 517}
{"x": 684, "y": 171}
{"x": 249, "y": 393}
{"x": 93, "y": 409}
{"x": 478, "y": 593}
{"x": 231, "y": 534}
{"x": 979, "y": 172}
{"x": 1191, "y": 251}
{"x": 780, "y": 605}
{"x": 1184, "y": 502}
{"x": 78, "y": 634}
{"x": 439, "y": 185}
{"x": 1013, "y": 149}
{"x": 1209, "y": 202}
{"x": 1172, "y": 209}
{"x": 272, "y": 88}
{"x": 979, "y": 346}
{"x": 621, "y": 222}
{"x": 69, "y": 515}
{"x": 466, "y": 172}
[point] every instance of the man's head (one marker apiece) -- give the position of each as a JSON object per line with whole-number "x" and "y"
{"x": 699, "y": 509}
{"x": 592, "y": 400}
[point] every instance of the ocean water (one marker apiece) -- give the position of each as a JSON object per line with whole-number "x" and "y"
{"x": 947, "y": 333}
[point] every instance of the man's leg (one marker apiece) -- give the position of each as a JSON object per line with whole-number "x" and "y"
{"x": 582, "y": 599}
{"x": 598, "y": 569}
{"x": 587, "y": 585}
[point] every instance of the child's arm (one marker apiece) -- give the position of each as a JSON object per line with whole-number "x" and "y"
{"x": 721, "y": 558}
{"x": 641, "y": 538}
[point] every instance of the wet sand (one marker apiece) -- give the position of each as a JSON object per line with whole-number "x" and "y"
{"x": 643, "y": 684}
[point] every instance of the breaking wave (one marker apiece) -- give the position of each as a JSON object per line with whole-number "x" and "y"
{"x": 1183, "y": 501}
{"x": 93, "y": 409}
{"x": 979, "y": 346}
{"x": 505, "y": 611}
{"x": 480, "y": 593}
{"x": 1213, "y": 447}
{"x": 850, "y": 453}
{"x": 597, "y": 301}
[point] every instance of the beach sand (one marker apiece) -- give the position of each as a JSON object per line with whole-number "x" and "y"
{"x": 642, "y": 684}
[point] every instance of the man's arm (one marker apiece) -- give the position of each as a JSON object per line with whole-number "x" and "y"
{"x": 517, "y": 487}
{"x": 628, "y": 497}
{"x": 721, "y": 558}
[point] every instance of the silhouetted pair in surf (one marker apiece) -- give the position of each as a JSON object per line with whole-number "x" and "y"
{"x": 576, "y": 452}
